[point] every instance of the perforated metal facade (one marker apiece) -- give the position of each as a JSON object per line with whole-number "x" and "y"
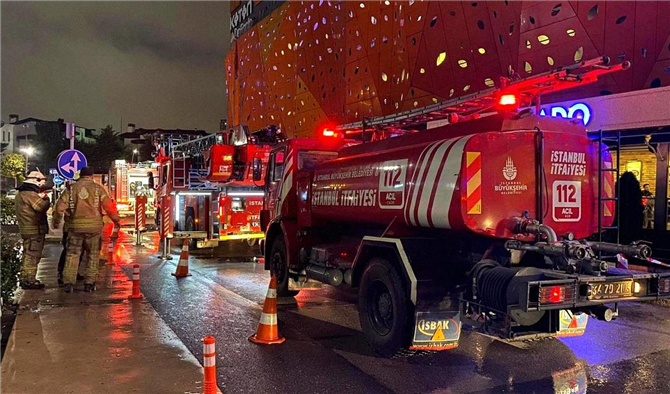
{"x": 307, "y": 64}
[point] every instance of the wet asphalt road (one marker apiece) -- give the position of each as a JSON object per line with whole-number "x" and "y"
{"x": 325, "y": 351}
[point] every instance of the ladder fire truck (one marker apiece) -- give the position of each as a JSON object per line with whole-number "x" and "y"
{"x": 474, "y": 211}
{"x": 205, "y": 189}
{"x": 126, "y": 179}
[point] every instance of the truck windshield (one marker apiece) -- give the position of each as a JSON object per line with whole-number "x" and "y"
{"x": 309, "y": 159}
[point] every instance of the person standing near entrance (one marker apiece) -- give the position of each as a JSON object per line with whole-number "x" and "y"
{"x": 85, "y": 203}
{"x": 32, "y": 204}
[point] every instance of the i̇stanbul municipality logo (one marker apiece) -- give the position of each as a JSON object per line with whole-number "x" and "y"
{"x": 509, "y": 171}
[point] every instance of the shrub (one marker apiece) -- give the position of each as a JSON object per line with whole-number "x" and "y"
{"x": 7, "y": 212}
{"x": 10, "y": 266}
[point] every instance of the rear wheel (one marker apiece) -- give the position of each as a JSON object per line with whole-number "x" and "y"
{"x": 384, "y": 308}
{"x": 279, "y": 267}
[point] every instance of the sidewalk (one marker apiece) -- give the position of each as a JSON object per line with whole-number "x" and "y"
{"x": 97, "y": 342}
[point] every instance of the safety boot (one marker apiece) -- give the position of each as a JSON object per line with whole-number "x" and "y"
{"x": 32, "y": 285}
{"x": 68, "y": 288}
{"x": 89, "y": 287}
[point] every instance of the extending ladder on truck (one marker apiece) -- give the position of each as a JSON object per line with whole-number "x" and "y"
{"x": 613, "y": 142}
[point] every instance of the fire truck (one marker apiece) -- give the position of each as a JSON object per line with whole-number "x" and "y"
{"x": 205, "y": 188}
{"x": 473, "y": 211}
{"x": 126, "y": 180}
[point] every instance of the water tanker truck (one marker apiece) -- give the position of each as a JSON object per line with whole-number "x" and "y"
{"x": 485, "y": 221}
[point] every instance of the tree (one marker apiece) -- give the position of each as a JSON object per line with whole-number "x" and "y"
{"x": 49, "y": 142}
{"x": 106, "y": 148}
{"x": 13, "y": 166}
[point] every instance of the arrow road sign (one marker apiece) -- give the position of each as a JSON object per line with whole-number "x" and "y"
{"x": 53, "y": 171}
{"x": 70, "y": 161}
{"x": 58, "y": 180}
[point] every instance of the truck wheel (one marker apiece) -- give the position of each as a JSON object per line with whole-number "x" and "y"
{"x": 384, "y": 308}
{"x": 279, "y": 267}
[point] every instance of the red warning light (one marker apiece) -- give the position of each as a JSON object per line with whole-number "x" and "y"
{"x": 507, "y": 99}
{"x": 328, "y": 133}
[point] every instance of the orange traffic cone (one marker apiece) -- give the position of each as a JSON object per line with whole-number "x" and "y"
{"x": 182, "y": 266}
{"x": 209, "y": 364}
{"x": 110, "y": 253}
{"x": 136, "y": 283}
{"x": 268, "y": 333}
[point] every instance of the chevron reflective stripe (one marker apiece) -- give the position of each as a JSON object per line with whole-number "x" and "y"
{"x": 272, "y": 293}
{"x": 473, "y": 173}
{"x": 439, "y": 213}
{"x": 608, "y": 187}
{"x": 419, "y": 174}
{"x": 434, "y": 182}
{"x": 269, "y": 319}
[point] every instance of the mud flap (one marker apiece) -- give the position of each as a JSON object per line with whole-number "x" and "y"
{"x": 436, "y": 330}
{"x": 571, "y": 324}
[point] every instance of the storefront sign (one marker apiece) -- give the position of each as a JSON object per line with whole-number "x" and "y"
{"x": 575, "y": 111}
{"x": 248, "y": 14}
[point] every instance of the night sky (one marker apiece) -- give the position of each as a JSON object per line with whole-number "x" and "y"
{"x": 155, "y": 64}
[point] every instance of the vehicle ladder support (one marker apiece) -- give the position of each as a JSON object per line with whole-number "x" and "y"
{"x": 166, "y": 249}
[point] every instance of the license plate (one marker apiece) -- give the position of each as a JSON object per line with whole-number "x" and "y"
{"x": 606, "y": 290}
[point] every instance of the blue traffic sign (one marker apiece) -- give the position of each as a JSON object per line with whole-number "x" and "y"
{"x": 53, "y": 171}
{"x": 58, "y": 180}
{"x": 70, "y": 161}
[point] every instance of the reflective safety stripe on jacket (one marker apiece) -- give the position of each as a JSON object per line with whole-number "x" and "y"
{"x": 31, "y": 213}
{"x": 84, "y": 202}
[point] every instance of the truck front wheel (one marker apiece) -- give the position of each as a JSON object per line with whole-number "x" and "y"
{"x": 279, "y": 267}
{"x": 384, "y": 309}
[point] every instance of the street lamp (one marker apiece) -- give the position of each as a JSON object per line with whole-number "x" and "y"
{"x": 28, "y": 151}
{"x": 133, "y": 157}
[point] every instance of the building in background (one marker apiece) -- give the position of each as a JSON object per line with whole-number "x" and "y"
{"x": 303, "y": 64}
{"x": 19, "y": 133}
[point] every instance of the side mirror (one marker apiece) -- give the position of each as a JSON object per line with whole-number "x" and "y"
{"x": 151, "y": 180}
{"x": 257, "y": 169}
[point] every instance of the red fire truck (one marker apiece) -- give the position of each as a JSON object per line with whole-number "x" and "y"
{"x": 486, "y": 220}
{"x": 205, "y": 186}
{"x": 126, "y": 179}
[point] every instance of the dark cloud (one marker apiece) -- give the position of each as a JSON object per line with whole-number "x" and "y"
{"x": 156, "y": 64}
{"x": 161, "y": 43}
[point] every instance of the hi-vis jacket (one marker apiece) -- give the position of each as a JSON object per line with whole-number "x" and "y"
{"x": 84, "y": 204}
{"x": 31, "y": 212}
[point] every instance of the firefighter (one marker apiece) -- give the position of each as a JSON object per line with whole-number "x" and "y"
{"x": 85, "y": 202}
{"x": 32, "y": 204}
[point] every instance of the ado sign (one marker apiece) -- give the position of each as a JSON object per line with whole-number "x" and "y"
{"x": 70, "y": 161}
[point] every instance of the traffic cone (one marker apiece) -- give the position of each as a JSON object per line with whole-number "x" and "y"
{"x": 110, "y": 253}
{"x": 268, "y": 332}
{"x": 209, "y": 364}
{"x": 182, "y": 266}
{"x": 136, "y": 283}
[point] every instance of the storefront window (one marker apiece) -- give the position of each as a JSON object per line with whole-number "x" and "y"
{"x": 642, "y": 163}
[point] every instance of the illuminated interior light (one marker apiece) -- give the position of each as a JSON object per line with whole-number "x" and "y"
{"x": 571, "y": 32}
{"x": 422, "y": 71}
{"x": 543, "y": 39}
{"x": 462, "y": 63}
{"x": 481, "y": 51}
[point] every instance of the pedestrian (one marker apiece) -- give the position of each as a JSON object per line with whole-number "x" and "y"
{"x": 85, "y": 202}
{"x": 646, "y": 193}
{"x": 32, "y": 204}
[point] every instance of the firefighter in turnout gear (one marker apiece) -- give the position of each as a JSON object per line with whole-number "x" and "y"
{"x": 31, "y": 212}
{"x": 84, "y": 203}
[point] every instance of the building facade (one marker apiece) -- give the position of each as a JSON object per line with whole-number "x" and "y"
{"x": 304, "y": 64}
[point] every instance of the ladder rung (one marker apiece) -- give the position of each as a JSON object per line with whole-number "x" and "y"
{"x": 609, "y": 199}
{"x": 609, "y": 169}
{"x": 611, "y": 228}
